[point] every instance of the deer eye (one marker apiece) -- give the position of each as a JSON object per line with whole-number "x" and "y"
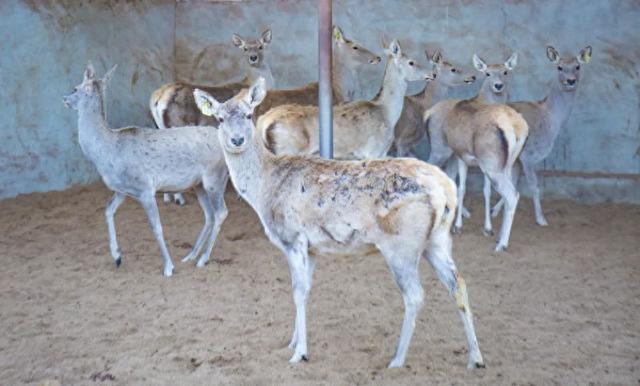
{"x": 559, "y": 68}
{"x": 246, "y": 49}
{"x": 220, "y": 119}
{"x": 453, "y": 70}
{"x": 505, "y": 72}
{"x": 355, "y": 47}
{"x": 578, "y": 67}
{"x": 260, "y": 47}
{"x": 488, "y": 74}
{"x": 249, "y": 116}
{"x": 411, "y": 62}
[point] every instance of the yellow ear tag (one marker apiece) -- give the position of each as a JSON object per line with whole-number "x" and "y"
{"x": 337, "y": 34}
{"x": 206, "y": 108}
{"x": 587, "y": 57}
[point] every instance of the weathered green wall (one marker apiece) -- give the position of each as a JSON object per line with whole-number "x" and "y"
{"x": 46, "y": 45}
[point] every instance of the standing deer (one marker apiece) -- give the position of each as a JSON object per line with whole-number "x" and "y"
{"x": 546, "y": 118}
{"x": 409, "y": 130}
{"x": 481, "y": 132}
{"x": 309, "y": 206}
{"x": 137, "y": 162}
{"x": 362, "y": 129}
{"x": 172, "y": 105}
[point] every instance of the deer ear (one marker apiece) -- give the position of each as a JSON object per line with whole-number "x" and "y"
{"x": 207, "y": 104}
{"x": 266, "y": 37}
{"x": 107, "y": 77}
{"x": 553, "y": 55}
{"x": 512, "y": 62}
{"x": 585, "y": 55}
{"x": 238, "y": 41}
{"x": 89, "y": 72}
{"x": 394, "y": 49}
{"x": 479, "y": 64}
{"x": 337, "y": 34}
{"x": 436, "y": 58}
{"x": 256, "y": 93}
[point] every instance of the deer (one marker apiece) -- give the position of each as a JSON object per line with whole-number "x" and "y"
{"x": 409, "y": 130}
{"x": 546, "y": 118}
{"x": 349, "y": 57}
{"x": 310, "y": 206}
{"x": 172, "y": 104}
{"x": 137, "y": 162}
{"x": 481, "y": 132}
{"x": 362, "y": 129}
{"x": 494, "y": 89}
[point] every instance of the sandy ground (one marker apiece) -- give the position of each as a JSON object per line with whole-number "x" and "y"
{"x": 562, "y": 306}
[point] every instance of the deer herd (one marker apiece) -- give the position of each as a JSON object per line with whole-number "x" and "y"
{"x": 266, "y": 141}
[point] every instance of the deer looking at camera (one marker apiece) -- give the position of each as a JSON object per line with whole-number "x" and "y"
{"x": 546, "y": 118}
{"x": 309, "y": 206}
{"x": 481, "y": 132}
{"x": 409, "y": 130}
{"x": 362, "y": 129}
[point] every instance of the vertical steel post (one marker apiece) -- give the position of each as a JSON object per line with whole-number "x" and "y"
{"x": 325, "y": 81}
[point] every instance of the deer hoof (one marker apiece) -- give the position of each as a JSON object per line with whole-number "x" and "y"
{"x": 118, "y": 261}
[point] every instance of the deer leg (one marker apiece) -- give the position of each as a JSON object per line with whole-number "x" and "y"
{"x": 110, "y": 213}
{"x": 207, "y": 208}
{"x": 166, "y": 197}
{"x": 532, "y": 181}
{"x": 515, "y": 176}
{"x": 403, "y": 263}
{"x": 486, "y": 190}
{"x": 215, "y": 191}
{"x": 505, "y": 188}
{"x": 301, "y": 269}
{"x": 451, "y": 170}
{"x": 439, "y": 256}
{"x": 151, "y": 208}
{"x": 310, "y": 268}
{"x": 462, "y": 175}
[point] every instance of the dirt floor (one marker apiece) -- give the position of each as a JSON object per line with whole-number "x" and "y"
{"x": 562, "y": 306}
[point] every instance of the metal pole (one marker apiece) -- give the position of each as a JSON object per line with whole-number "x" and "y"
{"x": 325, "y": 91}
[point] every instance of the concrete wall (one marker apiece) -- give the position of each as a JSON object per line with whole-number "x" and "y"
{"x": 601, "y": 139}
{"x": 45, "y": 48}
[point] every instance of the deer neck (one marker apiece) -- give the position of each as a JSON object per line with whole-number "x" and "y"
{"x": 391, "y": 95}
{"x": 345, "y": 79}
{"x": 93, "y": 128}
{"x": 486, "y": 95}
{"x": 248, "y": 170}
{"x": 558, "y": 104}
{"x": 433, "y": 93}
{"x": 257, "y": 71}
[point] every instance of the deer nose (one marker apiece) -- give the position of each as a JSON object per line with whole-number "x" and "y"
{"x": 377, "y": 59}
{"x": 498, "y": 86}
{"x": 473, "y": 78}
{"x": 571, "y": 82}
{"x": 253, "y": 58}
{"x": 237, "y": 141}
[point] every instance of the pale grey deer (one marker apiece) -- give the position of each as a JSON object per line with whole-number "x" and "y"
{"x": 546, "y": 118}
{"x": 138, "y": 162}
